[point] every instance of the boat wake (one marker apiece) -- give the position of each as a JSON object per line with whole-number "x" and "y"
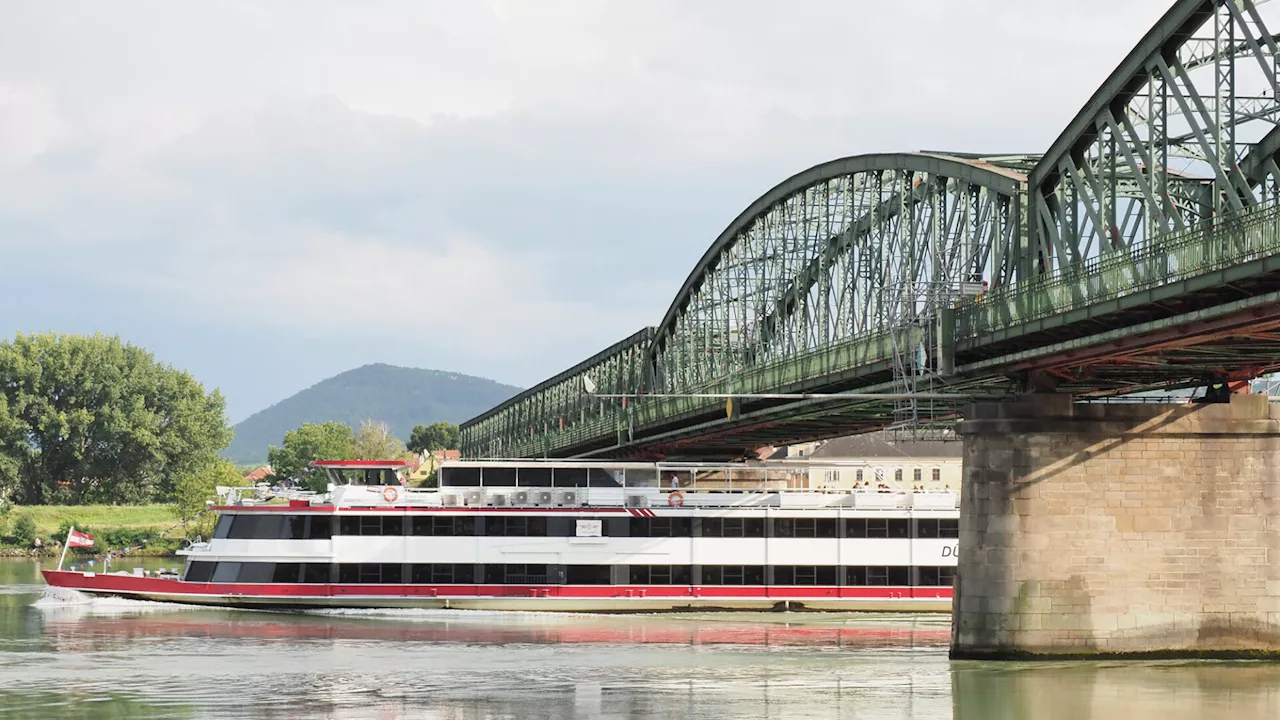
{"x": 68, "y": 603}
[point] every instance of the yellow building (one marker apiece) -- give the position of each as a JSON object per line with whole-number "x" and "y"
{"x": 876, "y": 461}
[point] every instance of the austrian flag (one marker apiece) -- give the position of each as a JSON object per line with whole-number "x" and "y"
{"x": 79, "y": 539}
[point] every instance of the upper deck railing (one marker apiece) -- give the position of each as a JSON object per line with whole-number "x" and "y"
{"x": 567, "y": 482}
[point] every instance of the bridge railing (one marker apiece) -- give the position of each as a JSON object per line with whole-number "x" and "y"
{"x": 1226, "y": 241}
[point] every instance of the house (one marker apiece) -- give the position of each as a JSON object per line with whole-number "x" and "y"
{"x": 258, "y": 475}
{"x": 882, "y": 460}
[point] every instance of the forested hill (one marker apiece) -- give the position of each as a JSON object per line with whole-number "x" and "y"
{"x": 400, "y": 397}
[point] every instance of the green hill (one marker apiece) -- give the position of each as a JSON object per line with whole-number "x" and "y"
{"x": 400, "y": 397}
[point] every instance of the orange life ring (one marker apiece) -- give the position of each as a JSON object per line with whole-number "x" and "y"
{"x": 390, "y": 494}
{"x": 675, "y": 498}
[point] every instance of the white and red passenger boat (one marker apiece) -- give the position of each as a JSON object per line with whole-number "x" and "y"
{"x": 567, "y": 536}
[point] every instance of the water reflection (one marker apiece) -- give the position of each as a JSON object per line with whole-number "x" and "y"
{"x": 1133, "y": 691}
{"x": 69, "y": 657}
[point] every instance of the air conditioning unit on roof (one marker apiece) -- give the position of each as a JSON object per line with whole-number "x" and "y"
{"x": 569, "y": 497}
{"x": 520, "y": 497}
{"x": 546, "y": 497}
{"x": 497, "y": 500}
{"x": 475, "y": 497}
{"x": 637, "y": 501}
{"x": 450, "y": 500}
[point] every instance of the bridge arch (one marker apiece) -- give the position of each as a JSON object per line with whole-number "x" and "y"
{"x": 1184, "y": 131}
{"x": 834, "y": 253}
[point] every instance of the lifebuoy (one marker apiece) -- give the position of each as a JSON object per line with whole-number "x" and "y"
{"x": 390, "y": 494}
{"x": 675, "y": 498}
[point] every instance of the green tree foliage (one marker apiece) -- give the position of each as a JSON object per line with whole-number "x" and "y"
{"x": 374, "y": 441}
{"x": 24, "y": 530}
{"x": 330, "y": 441}
{"x": 193, "y": 488}
{"x": 436, "y": 436}
{"x": 88, "y": 419}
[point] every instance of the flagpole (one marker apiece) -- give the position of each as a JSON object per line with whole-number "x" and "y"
{"x": 65, "y": 545}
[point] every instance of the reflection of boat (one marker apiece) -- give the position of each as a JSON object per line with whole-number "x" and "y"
{"x": 578, "y": 631}
{"x": 567, "y": 535}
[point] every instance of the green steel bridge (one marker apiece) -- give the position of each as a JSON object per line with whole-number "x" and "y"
{"x": 1141, "y": 251}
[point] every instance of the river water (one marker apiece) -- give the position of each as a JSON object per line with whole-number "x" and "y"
{"x": 64, "y": 656}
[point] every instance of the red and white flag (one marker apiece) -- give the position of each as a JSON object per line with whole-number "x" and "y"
{"x": 79, "y": 539}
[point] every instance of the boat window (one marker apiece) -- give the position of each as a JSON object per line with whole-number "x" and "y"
{"x": 642, "y": 477}
{"x": 226, "y": 572}
{"x": 321, "y": 527}
{"x": 223, "y": 527}
{"x": 256, "y": 527}
{"x": 877, "y": 576}
{"x": 660, "y": 527}
{"x": 200, "y": 571}
{"x": 804, "y": 527}
{"x": 371, "y": 525}
{"x": 443, "y": 525}
{"x": 876, "y": 527}
{"x": 517, "y": 526}
{"x": 604, "y": 477}
{"x": 515, "y": 574}
{"x": 733, "y": 527}
{"x": 459, "y": 477}
{"x": 675, "y": 479}
{"x": 498, "y": 477}
{"x": 534, "y": 477}
{"x": 255, "y": 572}
{"x": 588, "y": 575}
{"x": 295, "y": 527}
{"x": 805, "y": 575}
{"x": 732, "y": 574}
{"x": 940, "y": 528}
{"x": 937, "y": 576}
{"x": 660, "y": 575}
{"x": 443, "y": 573}
{"x": 370, "y": 573}
{"x": 569, "y": 477}
{"x": 315, "y": 572}
{"x": 286, "y": 572}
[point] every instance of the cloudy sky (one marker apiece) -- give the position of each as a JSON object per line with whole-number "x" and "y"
{"x": 268, "y": 193}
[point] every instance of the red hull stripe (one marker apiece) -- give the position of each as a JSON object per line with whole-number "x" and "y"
{"x": 329, "y": 510}
{"x": 133, "y": 584}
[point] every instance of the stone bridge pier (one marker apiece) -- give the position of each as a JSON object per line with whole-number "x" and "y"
{"x": 1122, "y": 529}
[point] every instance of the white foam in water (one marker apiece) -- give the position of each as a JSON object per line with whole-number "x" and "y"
{"x": 60, "y": 599}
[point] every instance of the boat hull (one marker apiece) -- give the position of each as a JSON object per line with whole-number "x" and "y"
{"x": 554, "y": 598}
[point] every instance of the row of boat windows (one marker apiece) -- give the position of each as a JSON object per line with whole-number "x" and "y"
{"x": 517, "y": 574}
{"x": 323, "y": 527}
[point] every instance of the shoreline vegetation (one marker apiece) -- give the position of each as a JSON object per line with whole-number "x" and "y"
{"x": 112, "y": 527}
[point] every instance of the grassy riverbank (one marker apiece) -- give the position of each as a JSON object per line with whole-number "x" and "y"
{"x": 113, "y": 526}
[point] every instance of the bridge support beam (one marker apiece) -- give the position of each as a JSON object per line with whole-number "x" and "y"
{"x": 1093, "y": 530}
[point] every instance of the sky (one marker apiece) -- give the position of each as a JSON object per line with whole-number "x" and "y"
{"x": 270, "y": 193}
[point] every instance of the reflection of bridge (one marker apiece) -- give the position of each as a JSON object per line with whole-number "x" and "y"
{"x": 1142, "y": 250}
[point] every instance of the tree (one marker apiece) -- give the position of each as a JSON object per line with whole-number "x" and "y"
{"x": 437, "y": 436}
{"x": 24, "y": 530}
{"x": 93, "y": 419}
{"x": 311, "y": 442}
{"x": 374, "y": 441}
{"x": 194, "y": 487}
